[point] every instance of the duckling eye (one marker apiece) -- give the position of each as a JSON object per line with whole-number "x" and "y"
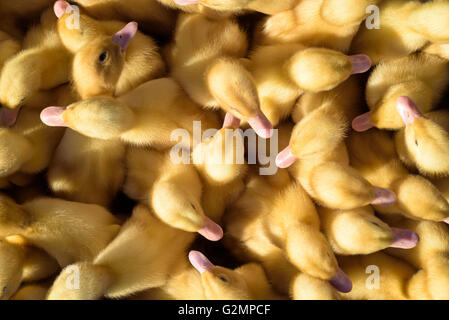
{"x": 223, "y": 278}
{"x": 416, "y": 142}
{"x": 4, "y": 290}
{"x": 103, "y": 56}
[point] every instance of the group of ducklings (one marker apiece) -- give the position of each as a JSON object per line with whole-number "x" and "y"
{"x": 90, "y": 96}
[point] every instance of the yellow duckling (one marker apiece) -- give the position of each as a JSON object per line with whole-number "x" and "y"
{"x": 317, "y": 23}
{"x": 19, "y": 264}
{"x": 419, "y": 273}
{"x": 283, "y": 72}
{"x": 205, "y": 281}
{"x": 406, "y": 27}
{"x": 172, "y": 190}
{"x": 111, "y": 58}
{"x": 43, "y": 223}
{"x": 247, "y": 282}
{"x": 282, "y": 232}
{"x": 214, "y": 76}
{"x": 148, "y": 115}
{"x": 141, "y": 257}
{"x": 422, "y": 77}
{"x": 373, "y": 154}
{"x": 367, "y": 234}
{"x": 150, "y": 14}
{"x": 429, "y": 257}
{"x": 319, "y": 159}
{"x": 44, "y": 55}
{"x": 423, "y": 143}
{"x": 190, "y": 197}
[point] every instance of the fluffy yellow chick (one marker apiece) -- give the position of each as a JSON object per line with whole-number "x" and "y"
{"x": 147, "y": 115}
{"x": 44, "y": 223}
{"x": 419, "y": 273}
{"x": 172, "y": 190}
{"x": 423, "y": 143}
{"x": 201, "y": 280}
{"x": 141, "y": 257}
{"x": 282, "y": 232}
{"x": 422, "y": 77}
{"x": 283, "y": 72}
{"x": 405, "y": 27}
{"x": 429, "y": 257}
{"x": 319, "y": 160}
{"x": 110, "y": 57}
{"x": 367, "y": 233}
{"x": 373, "y": 154}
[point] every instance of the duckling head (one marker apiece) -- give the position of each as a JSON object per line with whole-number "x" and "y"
{"x": 220, "y": 283}
{"x": 424, "y": 142}
{"x": 181, "y": 209}
{"x": 306, "y": 142}
{"x": 98, "y": 65}
{"x": 383, "y": 115}
{"x": 13, "y": 219}
{"x": 100, "y": 117}
{"x": 11, "y": 265}
{"x": 75, "y": 29}
{"x": 234, "y": 89}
